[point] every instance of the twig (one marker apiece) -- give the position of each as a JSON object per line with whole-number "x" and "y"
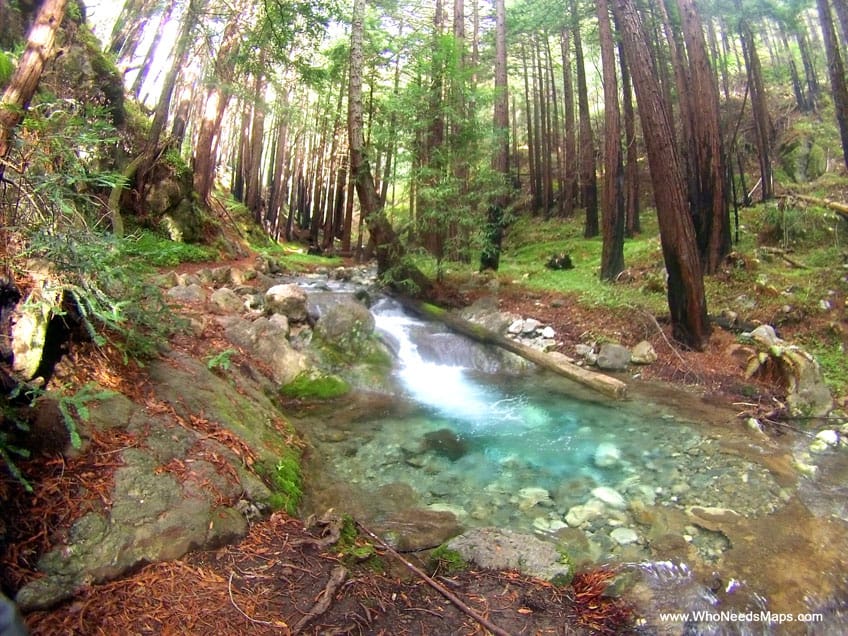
{"x": 337, "y": 577}
{"x": 441, "y": 589}
{"x": 240, "y": 610}
{"x": 671, "y": 346}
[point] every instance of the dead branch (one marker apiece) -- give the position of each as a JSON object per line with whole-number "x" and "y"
{"x": 240, "y": 610}
{"x": 840, "y": 208}
{"x": 776, "y": 251}
{"x": 337, "y": 577}
{"x": 331, "y": 531}
{"x": 441, "y": 589}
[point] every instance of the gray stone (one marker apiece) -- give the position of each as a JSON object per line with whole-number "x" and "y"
{"x": 267, "y": 341}
{"x": 192, "y": 294}
{"x": 346, "y": 322}
{"x": 549, "y": 333}
{"x": 643, "y": 353}
{"x": 530, "y": 326}
{"x": 226, "y": 301}
{"x": 418, "y": 528}
{"x": 613, "y": 357}
{"x": 287, "y": 299}
{"x": 610, "y": 497}
{"x": 498, "y": 549}
{"x": 624, "y": 536}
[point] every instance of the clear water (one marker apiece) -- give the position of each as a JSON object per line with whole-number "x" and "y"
{"x": 614, "y": 482}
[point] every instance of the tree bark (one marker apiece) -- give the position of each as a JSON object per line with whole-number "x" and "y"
{"x": 632, "y": 222}
{"x": 836, "y": 70}
{"x": 708, "y": 194}
{"x": 493, "y": 235}
{"x": 24, "y": 81}
{"x": 570, "y": 165}
{"x": 686, "y": 297}
{"x": 588, "y": 177}
{"x": 612, "y": 254}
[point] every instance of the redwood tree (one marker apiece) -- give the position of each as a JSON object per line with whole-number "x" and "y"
{"x": 686, "y": 298}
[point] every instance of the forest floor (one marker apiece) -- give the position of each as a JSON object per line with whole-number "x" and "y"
{"x": 277, "y": 581}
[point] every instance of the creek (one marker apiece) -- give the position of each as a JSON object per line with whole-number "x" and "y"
{"x": 699, "y": 513}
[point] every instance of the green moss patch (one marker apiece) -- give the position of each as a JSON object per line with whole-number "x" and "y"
{"x": 308, "y": 386}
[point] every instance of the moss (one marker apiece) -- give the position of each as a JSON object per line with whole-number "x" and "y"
{"x": 446, "y": 561}
{"x": 308, "y": 386}
{"x": 285, "y": 481}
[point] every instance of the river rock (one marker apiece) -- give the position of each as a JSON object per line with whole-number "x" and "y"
{"x": 607, "y": 454}
{"x": 498, "y": 549}
{"x": 191, "y": 294}
{"x": 548, "y": 526}
{"x": 624, "y": 536}
{"x": 530, "y": 326}
{"x": 346, "y": 325}
{"x": 578, "y": 515}
{"x": 613, "y": 357}
{"x": 643, "y": 353}
{"x": 516, "y": 327}
{"x": 226, "y": 301}
{"x": 446, "y": 443}
{"x": 416, "y": 529}
{"x": 287, "y": 299}
{"x": 610, "y": 497}
{"x": 533, "y": 496}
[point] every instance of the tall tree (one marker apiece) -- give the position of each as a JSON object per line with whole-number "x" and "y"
{"x": 708, "y": 193}
{"x": 588, "y": 176}
{"x": 612, "y": 256}
{"x": 570, "y": 164}
{"x": 836, "y": 70}
{"x": 686, "y": 297}
{"x": 490, "y": 258}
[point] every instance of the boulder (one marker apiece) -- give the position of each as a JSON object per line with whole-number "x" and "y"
{"x": 287, "y": 299}
{"x": 345, "y": 324}
{"x": 191, "y": 294}
{"x": 501, "y": 549}
{"x": 416, "y": 529}
{"x": 268, "y": 341}
{"x": 226, "y": 301}
{"x": 29, "y": 328}
{"x": 613, "y": 357}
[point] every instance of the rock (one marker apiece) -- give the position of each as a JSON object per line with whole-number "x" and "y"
{"x": 578, "y": 515}
{"x": 825, "y": 439}
{"x": 610, "y": 497}
{"x": 289, "y": 300}
{"x": 191, "y": 294}
{"x": 498, "y": 549}
{"x": 346, "y": 325}
{"x": 530, "y": 326}
{"x": 416, "y": 529}
{"x": 624, "y": 536}
{"x": 607, "y": 454}
{"x": 549, "y": 333}
{"x": 643, "y": 353}
{"x": 560, "y": 261}
{"x": 548, "y": 526}
{"x": 532, "y": 496}
{"x": 226, "y": 301}
{"x": 267, "y": 341}
{"x": 613, "y": 357}
{"x": 516, "y": 327}
{"x": 445, "y": 442}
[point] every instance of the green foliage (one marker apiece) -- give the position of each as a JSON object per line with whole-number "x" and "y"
{"x": 312, "y": 386}
{"x": 102, "y": 279}
{"x": 7, "y": 68}
{"x": 75, "y": 406}
{"x": 285, "y": 481}
{"x": 152, "y": 249}
{"x": 221, "y": 360}
{"x": 447, "y": 562}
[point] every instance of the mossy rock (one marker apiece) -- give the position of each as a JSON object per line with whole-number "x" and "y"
{"x": 315, "y": 386}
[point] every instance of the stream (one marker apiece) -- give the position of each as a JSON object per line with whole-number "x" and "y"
{"x": 702, "y": 515}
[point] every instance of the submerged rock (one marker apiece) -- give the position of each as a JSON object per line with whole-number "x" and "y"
{"x": 445, "y": 442}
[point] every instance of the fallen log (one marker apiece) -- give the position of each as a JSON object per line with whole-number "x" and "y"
{"x": 840, "y": 208}
{"x": 604, "y": 384}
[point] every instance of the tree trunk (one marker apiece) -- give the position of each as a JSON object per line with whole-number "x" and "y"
{"x": 24, "y": 81}
{"x": 632, "y": 223}
{"x": 686, "y": 298}
{"x": 588, "y": 177}
{"x": 146, "y": 65}
{"x": 490, "y": 258}
{"x": 612, "y": 256}
{"x": 569, "y": 193}
{"x": 836, "y": 70}
{"x": 763, "y": 130}
{"x": 709, "y": 193}
{"x": 532, "y": 168}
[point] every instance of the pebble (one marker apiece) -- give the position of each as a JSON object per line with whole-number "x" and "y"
{"x": 610, "y": 497}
